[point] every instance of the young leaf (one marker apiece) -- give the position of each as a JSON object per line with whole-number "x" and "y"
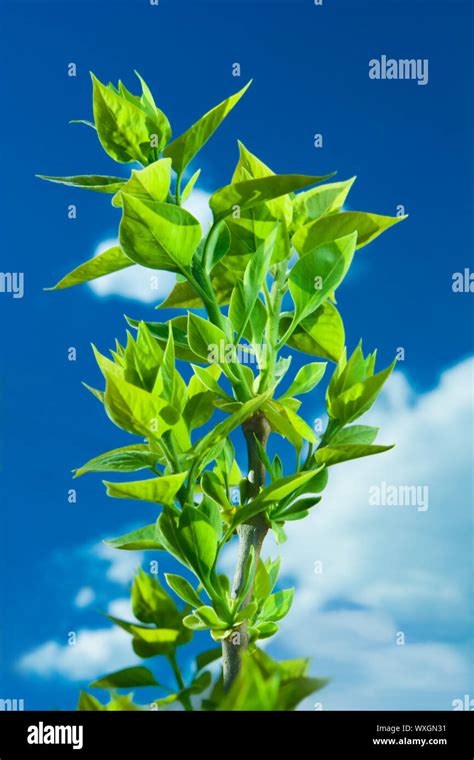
{"x": 318, "y": 273}
{"x": 167, "y": 534}
{"x": 320, "y": 334}
{"x": 88, "y": 703}
{"x": 278, "y": 605}
{"x": 190, "y": 186}
{"x": 208, "y": 378}
{"x": 250, "y": 193}
{"x": 112, "y": 260}
{"x": 367, "y": 227}
{"x": 355, "y": 434}
{"x": 306, "y": 379}
{"x": 89, "y": 182}
{"x": 137, "y": 540}
{"x": 152, "y": 605}
{"x": 254, "y": 276}
{"x": 217, "y": 246}
{"x": 149, "y": 184}
{"x": 158, "y": 490}
{"x": 337, "y": 453}
{"x": 183, "y": 589}
{"x": 198, "y": 540}
{"x": 121, "y": 125}
{"x": 325, "y": 199}
{"x": 126, "y": 678}
{"x": 158, "y": 235}
{"x": 204, "y": 337}
{"x": 358, "y": 399}
{"x": 186, "y": 146}
{"x": 132, "y": 408}
{"x": 210, "y": 618}
{"x": 205, "y": 658}
{"x": 224, "y": 428}
{"x": 126, "y": 459}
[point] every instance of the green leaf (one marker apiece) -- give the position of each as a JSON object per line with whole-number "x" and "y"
{"x": 160, "y": 332}
{"x": 89, "y": 182}
{"x": 83, "y": 121}
{"x": 337, "y": 453}
{"x": 210, "y": 618}
{"x": 137, "y": 540}
{"x": 149, "y": 184}
{"x": 125, "y": 459}
{"x": 204, "y": 337}
{"x": 132, "y": 408}
{"x": 306, "y": 379}
{"x": 208, "y": 378}
{"x": 199, "y": 409}
{"x": 124, "y": 703}
{"x": 367, "y": 227}
{"x": 217, "y": 246}
{"x": 358, "y": 399}
{"x": 88, "y": 703}
{"x": 186, "y": 146}
{"x": 194, "y": 623}
{"x": 205, "y": 658}
{"x": 266, "y": 629}
{"x": 245, "y": 613}
{"x": 295, "y": 690}
{"x": 151, "y": 604}
{"x": 160, "y": 490}
{"x": 190, "y": 186}
{"x": 167, "y": 533}
{"x": 325, "y": 199}
{"x": 112, "y": 260}
{"x": 126, "y": 678}
{"x": 355, "y": 434}
{"x": 289, "y": 424}
{"x": 198, "y": 541}
{"x": 254, "y": 277}
{"x": 320, "y": 334}
{"x": 121, "y": 125}
{"x": 276, "y": 491}
{"x": 278, "y": 605}
{"x": 158, "y": 235}
{"x": 224, "y": 428}
{"x": 200, "y": 683}
{"x": 262, "y": 584}
{"x": 251, "y": 167}
{"x": 158, "y": 123}
{"x": 318, "y": 273}
{"x": 184, "y": 296}
{"x": 183, "y": 589}
{"x": 250, "y": 193}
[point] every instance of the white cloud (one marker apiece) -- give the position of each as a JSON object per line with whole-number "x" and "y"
{"x": 122, "y": 564}
{"x": 121, "y": 608}
{"x": 137, "y": 283}
{"x": 387, "y": 569}
{"x": 95, "y": 653}
{"x": 142, "y": 284}
{"x": 84, "y": 597}
{"x": 198, "y": 205}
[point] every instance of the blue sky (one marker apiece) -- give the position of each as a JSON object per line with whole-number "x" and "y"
{"x": 409, "y": 145}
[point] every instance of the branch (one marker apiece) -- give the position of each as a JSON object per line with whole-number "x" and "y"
{"x": 250, "y": 534}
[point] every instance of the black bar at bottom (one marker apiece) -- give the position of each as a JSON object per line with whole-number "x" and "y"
{"x": 130, "y": 734}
